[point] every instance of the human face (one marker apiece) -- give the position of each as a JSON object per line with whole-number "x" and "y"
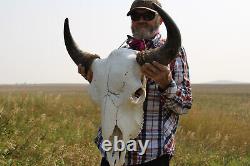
{"x": 143, "y": 29}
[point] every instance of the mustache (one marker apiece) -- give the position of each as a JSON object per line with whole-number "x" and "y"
{"x": 142, "y": 24}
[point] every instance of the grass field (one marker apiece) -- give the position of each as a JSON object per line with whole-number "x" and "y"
{"x": 56, "y": 125}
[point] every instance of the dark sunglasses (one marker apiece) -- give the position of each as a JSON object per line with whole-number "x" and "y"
{"x": 147, "y": 16}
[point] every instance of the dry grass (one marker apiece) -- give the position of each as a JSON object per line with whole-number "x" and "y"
{"x": 56, "y": 125}
{"x": 216, "y": 130}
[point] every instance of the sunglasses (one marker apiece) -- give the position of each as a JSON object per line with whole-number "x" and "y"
{"x": 147, "y": 16}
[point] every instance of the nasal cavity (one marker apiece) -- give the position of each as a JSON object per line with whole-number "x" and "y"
{"x": 138, "y": 92}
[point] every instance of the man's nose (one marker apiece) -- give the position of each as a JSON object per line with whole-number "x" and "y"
{"x": 141, "y": 19}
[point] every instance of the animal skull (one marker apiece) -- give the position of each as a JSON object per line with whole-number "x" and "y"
{"x": 118, "y": 86}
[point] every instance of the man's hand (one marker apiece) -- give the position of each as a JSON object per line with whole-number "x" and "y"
{"x": 159, "y": 73}
{"x": 89, "y": 76}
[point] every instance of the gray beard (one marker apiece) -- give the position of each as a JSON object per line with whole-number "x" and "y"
{"x": 144, "y": 31}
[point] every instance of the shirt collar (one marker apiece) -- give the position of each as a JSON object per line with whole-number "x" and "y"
{"x": 140, "y": 44}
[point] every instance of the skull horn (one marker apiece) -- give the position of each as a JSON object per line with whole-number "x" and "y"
{"x": 77, "y": 55}
{"x": 166, "y": 53}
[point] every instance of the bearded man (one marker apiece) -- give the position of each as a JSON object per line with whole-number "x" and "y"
{"x": 168, "y": 90}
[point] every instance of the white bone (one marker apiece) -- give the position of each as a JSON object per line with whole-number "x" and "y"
{"x": 115, "y": 80}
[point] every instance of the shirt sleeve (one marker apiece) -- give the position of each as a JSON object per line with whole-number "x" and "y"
{"x": 178, "y": 96}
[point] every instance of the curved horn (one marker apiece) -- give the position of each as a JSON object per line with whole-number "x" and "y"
{"x": 77, "y": 55}
{"x": 166, "y": 53}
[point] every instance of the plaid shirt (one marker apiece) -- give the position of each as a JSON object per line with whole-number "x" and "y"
{"x": 161, "y": 109}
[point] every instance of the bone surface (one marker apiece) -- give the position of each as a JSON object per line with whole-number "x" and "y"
{"x": 115, "y": 81}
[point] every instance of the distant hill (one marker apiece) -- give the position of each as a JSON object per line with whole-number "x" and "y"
{"x": 225, "y": 82}
{"x": 43, "y": 87}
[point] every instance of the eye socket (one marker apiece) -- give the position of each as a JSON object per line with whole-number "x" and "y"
{"x": 138, "y": 92}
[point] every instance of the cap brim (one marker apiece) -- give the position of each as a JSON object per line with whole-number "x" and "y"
{"x": 129, "y": 13}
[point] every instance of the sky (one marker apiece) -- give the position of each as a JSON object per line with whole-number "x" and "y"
{"x": 215, "y": 35}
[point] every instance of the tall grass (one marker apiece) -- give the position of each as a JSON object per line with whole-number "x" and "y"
{"x": 216, "y": 131}
{"x": 47, "y": 128}
{"x": 56, "y": 125}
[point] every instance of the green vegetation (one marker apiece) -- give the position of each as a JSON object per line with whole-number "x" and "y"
{"x": 56, "y": 125}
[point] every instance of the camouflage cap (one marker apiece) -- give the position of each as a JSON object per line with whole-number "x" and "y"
{"x": 143, "y": 4}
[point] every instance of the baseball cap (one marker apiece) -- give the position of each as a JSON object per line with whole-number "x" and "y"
{"x": 143, "y": 4}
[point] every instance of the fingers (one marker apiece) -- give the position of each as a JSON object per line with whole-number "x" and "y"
{"x": 81, "y": 70}
{"x": 154, "y": 67}
{"x": 89, "y": 76}
{"x": 156, "y": 71}
{"x": 159, "y": 66}
{"x": 148, "y": 73}
{"x": 148, "y": 69}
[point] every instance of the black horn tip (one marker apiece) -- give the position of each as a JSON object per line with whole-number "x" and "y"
{"x": 66, "y": 22}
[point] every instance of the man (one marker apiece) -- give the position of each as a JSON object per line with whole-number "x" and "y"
{"x": 168, "y": 90}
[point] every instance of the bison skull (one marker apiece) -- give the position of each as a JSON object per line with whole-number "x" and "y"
{"x": 119, "y": 89}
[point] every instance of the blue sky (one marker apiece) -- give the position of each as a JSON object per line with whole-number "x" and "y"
{"x": 215, "y": 35}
